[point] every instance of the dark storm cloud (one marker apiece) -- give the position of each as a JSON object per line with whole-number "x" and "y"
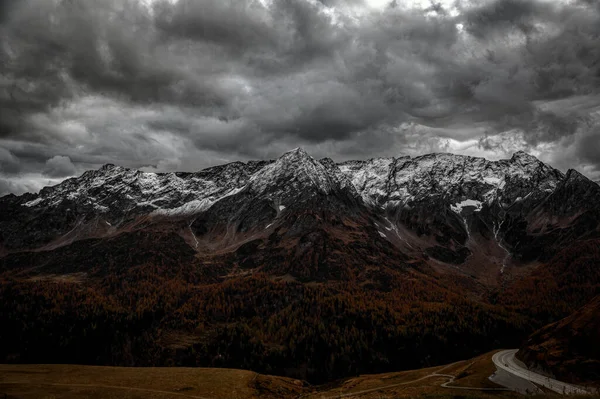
{"x": 54, "y": 49}
{"x": 190, "y": 83}
{"x": 9, "y": 163}
{"x": 532, "y": 51}
{"x": 59, "y": 166}
{"x": 589, "y": 147}
{"x": 241, "y": 25}
{"x": 5, "y": 7}
{"x": 276, "y": 39}
{"x": 502, "y": 15}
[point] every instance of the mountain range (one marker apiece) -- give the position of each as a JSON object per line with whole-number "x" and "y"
{"x": 285, "y": 259}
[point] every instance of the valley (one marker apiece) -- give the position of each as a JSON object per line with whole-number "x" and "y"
{"x": 296, "y": 267}
{"x": 299, "y": 199}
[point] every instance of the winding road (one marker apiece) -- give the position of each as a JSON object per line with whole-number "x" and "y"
{"x": 506, "y": 361}
{"x": 450, "y": 378}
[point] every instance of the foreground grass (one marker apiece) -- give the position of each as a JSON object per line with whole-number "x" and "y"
{"x": 70, "y": 381}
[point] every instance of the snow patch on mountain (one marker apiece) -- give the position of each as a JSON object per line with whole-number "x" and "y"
{"x": 190, "y": 208}
{"x": 33, "y": 202}
{"x": 459, "y": 206}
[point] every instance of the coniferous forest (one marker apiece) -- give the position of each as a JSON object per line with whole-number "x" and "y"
{"x": 163, "y": 311}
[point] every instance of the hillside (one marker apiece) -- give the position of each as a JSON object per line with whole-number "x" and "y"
{"x": 297, "y": 267}
{"x": 569, "y": 348}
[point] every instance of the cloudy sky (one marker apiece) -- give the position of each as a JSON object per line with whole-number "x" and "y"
{"x": 181, "y": 85}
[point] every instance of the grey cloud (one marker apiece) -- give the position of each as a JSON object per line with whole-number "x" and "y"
{"x": 22, "y": 184}
{"x": 9, "y": 187}
{"x": 499, "y": 16}
{"x": 276, "y": 39}
{"x": 237, "y": 24}
{"x": 550, "y": 127}
{"x": 107, "y": 47}
{"x": 191, "y": 83}
{"x": 509, "y": 78}
{"x": 9, "y": 163}
{"x": 329, "y": 110}
{"x": 5, "y": 6}
{"x": 336, "y": 3}
{"x": 59, "y": 166}
{"x": 588, "y": 148}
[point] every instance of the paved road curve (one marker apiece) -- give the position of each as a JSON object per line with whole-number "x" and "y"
{"x": 505, "y": 360}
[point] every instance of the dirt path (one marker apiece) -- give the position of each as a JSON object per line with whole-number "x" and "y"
{"x": 452, "y": 378}
{"x": 434, "y": 374}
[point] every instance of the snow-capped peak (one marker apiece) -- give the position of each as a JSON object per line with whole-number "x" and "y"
{"x": 460, "y": 186}
{"x": 396, "y": 181}
{"x": 524, "y": 158}
{"x": 295, "y": 171}
{"x": 296, "y": 152}
{"x": 109, "y": 166}
{"x": 380, "y": 182}
{"x": 119, "y": 190}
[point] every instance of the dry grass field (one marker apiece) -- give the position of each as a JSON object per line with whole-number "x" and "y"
{"x": 69, "y": 381}
{"x": 466, "y": 379}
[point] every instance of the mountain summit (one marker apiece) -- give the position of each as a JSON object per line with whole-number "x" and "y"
{"x": 446, "y": 208}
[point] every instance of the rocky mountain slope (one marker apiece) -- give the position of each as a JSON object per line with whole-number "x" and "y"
{"x": 442, "y": 209}
{"x": 296, "y": 266}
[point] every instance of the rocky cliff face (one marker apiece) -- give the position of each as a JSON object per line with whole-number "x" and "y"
{"x": 441, "y": 208}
